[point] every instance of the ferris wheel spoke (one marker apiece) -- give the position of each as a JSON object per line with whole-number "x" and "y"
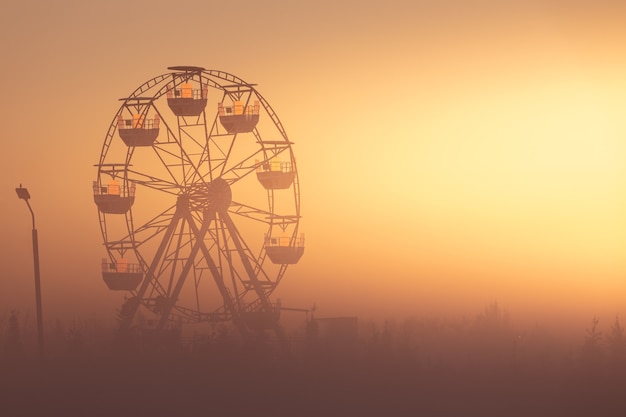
{"x": 250, "y": 212}
{"x": 171, "y": 162}
{"x": 151, "y": 229}
{"x": 215, "y": 156}
{"x": 262, "y": 216}
{"x": 174, "y": 155}
{"x": 224, "y": 164}
{"x": 153, "y": 182}
{"x": 245, "y": 167}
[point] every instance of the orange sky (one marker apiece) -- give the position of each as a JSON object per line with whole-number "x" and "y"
{"x": 449, "y": 155}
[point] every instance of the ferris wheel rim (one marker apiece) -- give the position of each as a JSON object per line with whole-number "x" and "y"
{"x": 203, "y": 73}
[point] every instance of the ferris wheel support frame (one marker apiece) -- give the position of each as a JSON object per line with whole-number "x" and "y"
{"x": 209, "y": 232}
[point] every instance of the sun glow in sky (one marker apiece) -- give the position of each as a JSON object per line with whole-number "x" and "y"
{"x": 449, "y": 154}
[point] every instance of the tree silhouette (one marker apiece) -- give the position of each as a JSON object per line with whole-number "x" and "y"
{"x": 493, "y": 338}
{"x": 616, "y": 344}
{"x": 75, "y": 340}
{"x": 591, "y": 353}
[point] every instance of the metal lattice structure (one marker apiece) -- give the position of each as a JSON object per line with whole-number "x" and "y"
{"x": 198, "y": 201}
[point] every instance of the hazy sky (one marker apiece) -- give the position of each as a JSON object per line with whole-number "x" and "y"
{"x": 450, "y": 153}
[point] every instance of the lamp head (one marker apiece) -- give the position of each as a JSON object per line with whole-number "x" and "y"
{"x": 22, "y": 193}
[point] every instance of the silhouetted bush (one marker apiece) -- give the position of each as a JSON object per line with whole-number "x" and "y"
{"x": 13, "y": 341}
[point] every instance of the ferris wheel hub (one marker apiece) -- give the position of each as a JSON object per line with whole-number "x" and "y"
{"x": 215, "y": 196}
{"x": 219, "y": 195}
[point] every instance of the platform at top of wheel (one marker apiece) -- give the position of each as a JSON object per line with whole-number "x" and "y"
{"x": 186, "y": 68}
{"x": 138, "y": 99}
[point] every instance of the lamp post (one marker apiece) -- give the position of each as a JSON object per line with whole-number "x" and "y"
{"x": 23, "y": 194}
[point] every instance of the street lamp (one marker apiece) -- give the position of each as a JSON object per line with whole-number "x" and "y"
{"x": 23, "y": 194}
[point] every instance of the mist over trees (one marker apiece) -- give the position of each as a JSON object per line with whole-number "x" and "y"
{"x": 487, "y": 340}
{"x": 483, "y": 364}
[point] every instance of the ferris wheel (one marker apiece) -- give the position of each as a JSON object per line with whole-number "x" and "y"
{"x": 198, "y": 201}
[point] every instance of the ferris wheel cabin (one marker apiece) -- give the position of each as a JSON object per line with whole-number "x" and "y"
{"x": 113, "y": 198}
{"x": 186, "y": 100}
{"x": 138, "y": 131}
{"x": 239, "y": 118}
{"x": 282, "y": 250}
{"x": 261, "y": 319}
{"x": 120, "y": 275}
{"x": 275, "y": 175}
